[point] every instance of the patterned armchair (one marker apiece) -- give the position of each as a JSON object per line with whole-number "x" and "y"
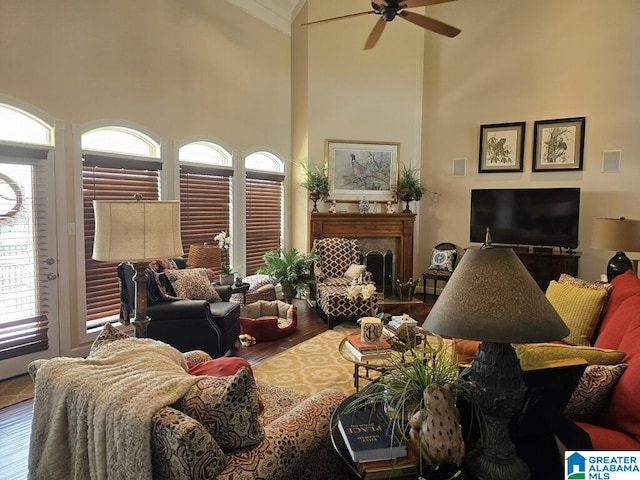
{"x": 337, "y": 264}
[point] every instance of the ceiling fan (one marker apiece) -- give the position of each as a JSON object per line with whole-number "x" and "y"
{"x": 389, "y": 9}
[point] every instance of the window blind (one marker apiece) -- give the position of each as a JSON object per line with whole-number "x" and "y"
{"x": 24, "y": 287}
{"x": 205, "y": 196}
{"x": 100, "y": 182}
{"x": 264, "y": 219}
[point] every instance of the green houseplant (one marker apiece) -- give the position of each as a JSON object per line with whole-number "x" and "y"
{"x": 409, "y": 187}
{"x": 316, "y": 182}
{"x": 415, "y": 378}
{"x": 291, "y": 268}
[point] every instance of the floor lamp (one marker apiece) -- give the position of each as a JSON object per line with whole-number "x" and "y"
{"x": 137, "y": 231}
{"x": 620, "y": 235}
{"x": 492, "y": 297}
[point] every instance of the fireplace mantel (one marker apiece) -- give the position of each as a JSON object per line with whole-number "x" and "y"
{"x": 397, "y": 226}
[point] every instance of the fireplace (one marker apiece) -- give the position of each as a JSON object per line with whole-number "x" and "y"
{"x": 380, "y": 265}
{"x": 376, "y": 232}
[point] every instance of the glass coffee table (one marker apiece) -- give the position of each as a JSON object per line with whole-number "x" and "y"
{"x": 374, "y": 365}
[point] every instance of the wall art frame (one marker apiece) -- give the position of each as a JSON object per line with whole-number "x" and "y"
{"x": 361, "y": 169}
{"x": 501, "y": 147}
{"x": 558, "y": 145}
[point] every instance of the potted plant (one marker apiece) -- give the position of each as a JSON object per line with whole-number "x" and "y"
{"x": 291, "y": 268}
{"x": 227, "y": 274}
{"x": 419, "y": 390}
{"x": 409, "y": 187}
{"x": 316, "y": 182}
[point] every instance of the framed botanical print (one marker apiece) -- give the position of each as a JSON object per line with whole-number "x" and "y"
{"x": 501, "y": 147}
{"x": 558, "y": 144}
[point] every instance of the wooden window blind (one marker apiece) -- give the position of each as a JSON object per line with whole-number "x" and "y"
{"x": 205, "y": 199}
{"x": 102, "y": 179}
{"x": 264, "y": 217}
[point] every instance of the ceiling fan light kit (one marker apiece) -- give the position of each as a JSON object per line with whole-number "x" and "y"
{"x": 390, "y": 9}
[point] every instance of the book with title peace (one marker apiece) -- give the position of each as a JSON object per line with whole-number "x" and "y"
{"x": 369, "y": 436}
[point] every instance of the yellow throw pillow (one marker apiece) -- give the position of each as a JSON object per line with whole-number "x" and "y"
{"x": 579, "y": 308}
{"x": 534, "y": 354}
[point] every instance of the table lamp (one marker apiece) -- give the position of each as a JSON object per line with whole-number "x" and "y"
{"x": 492, "y": 297}
{"x": 620, "y": 235}
{"x": 204, "y": 256}
{"x": 137, "y": 231}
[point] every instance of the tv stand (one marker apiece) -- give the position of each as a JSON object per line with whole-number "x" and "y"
{"x": 545, "y": 266}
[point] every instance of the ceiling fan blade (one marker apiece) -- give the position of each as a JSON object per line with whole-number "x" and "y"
{"x": 375, "y": 34}
{"x": 422, "y": 3}
{"x": 430, "y": 24}
{"x": 338, "y": 18}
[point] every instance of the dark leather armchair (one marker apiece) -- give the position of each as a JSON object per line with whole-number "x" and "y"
{"x": 184, "y": 324}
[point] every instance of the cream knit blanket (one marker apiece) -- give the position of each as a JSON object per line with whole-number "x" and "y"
{"x": 92, "y": 417}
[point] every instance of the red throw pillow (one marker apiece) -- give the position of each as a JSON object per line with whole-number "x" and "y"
{"x": 624, "y": 286}
{"x": 222, "y": 367}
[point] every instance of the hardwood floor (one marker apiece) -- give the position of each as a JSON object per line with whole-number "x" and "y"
{"x": 15, "y": 420}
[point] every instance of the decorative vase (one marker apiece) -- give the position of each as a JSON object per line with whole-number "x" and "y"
{"x": 363, "y": 206}
{"x": 314, "y": 195}
{"x": 288, "y": 292}
{"x": 407, "y": 199}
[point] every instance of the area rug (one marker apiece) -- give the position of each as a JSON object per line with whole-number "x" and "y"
{"x": 15, "y": 390}
{"x": 311, "y": 366}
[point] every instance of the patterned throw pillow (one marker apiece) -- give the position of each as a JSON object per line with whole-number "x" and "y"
{"x": 192, "y": 283}
{"x": 579, "y": 308}
{"x": 533, "y": 354}
{"x": 577, "y": 282}
{"x": 592, "y": 391}
{"x": 443, "y": 259}
{"x": 227, "y": 407}
{"x": 163, "y": 285}
{"x": 259, "y": 280}
{"x": 108, "y": 334}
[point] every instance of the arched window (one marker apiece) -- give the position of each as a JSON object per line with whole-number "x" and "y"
{"x": 19, "y": 126}
{"x": 264, "y": 206}
{"x": 117, "y": 162}
{"x": 205, "y": 193}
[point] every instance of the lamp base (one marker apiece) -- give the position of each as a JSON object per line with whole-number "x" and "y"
{"x": 618, "y": 264}
{"x": 499, "y": 395}
{"x": 141, "y": 320}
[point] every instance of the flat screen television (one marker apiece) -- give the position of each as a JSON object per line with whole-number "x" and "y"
{"x": 546, "y": 217}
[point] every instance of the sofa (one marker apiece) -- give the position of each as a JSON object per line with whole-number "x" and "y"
{"x": 225, "y": 425}
{"x": 206, "y": 321}
{"x": 604, "y": 320}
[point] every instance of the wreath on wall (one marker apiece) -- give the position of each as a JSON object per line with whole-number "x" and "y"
{"x": 10, "y": 198}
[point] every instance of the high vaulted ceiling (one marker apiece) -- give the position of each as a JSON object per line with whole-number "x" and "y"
{"x": 277, "y": 13}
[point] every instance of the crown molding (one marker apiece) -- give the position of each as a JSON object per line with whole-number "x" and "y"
{"x": 275, "y": 13}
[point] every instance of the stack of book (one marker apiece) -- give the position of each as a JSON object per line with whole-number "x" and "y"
{"x": 396, "y": 468}
{"x": 397, "y": 321}
{"x": 369, "y": 437}
{"x": 363, "y": 351}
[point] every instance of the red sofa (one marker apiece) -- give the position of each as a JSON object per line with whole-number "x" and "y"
{"x": 617, "y": 426}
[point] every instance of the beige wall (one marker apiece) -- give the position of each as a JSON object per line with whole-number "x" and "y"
{"x": 175, "y": 68}
{"x": 525, "y": 61}
{"x": 515, "y": 60}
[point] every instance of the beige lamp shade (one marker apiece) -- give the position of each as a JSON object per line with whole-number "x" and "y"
{"x": 136, "y": 231}
{"x": 204, "y": 256}
{"x": 616, "y": 234}
{"x": 492, "y": 297}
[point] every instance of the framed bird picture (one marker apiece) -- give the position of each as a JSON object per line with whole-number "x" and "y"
{"x": 501, "y": 146}
{"x": 361, "y": 169}
{"x": 558, "y": 144}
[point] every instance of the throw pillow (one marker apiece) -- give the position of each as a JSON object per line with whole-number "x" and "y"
{"x": 192, "y": 283}
{"x": 161, "y": 288}
{"x": 592, "y": 391}
{"x": 227, "y": 407}
{"x": 577, "y": 282}
{"x": 259, "y": 280}
{"x": 443, "y": 259}
{"x": 108, "y": 334}
{"x": 354, "y": 271}
{"x": 579, "y": 308}
{"x": 538, "y": 353}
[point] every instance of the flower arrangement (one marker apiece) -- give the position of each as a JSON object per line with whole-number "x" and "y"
{"x": 224, "y": 241}
{"x": 360, "y": 287}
